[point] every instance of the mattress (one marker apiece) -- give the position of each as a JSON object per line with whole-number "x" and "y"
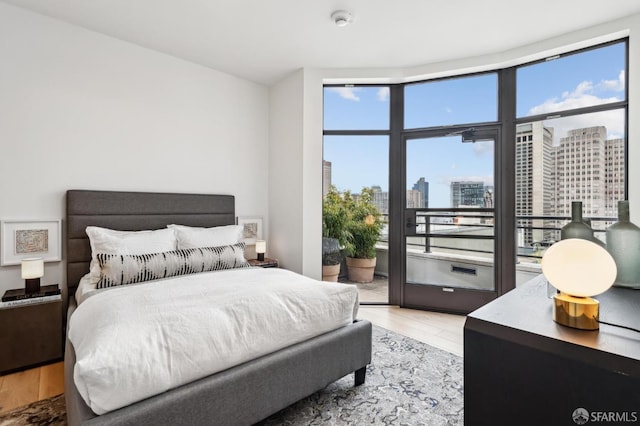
{"x": 136, "y": 341}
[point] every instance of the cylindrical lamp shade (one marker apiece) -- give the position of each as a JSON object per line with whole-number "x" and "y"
{"x": 32, "y": 268}
{"x": 261, "y": 248}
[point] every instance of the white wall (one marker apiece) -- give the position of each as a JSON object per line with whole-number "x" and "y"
{"x": 295, "y": 175}
{"x": 286, "y": 171}
{"x": 79, "y": 110}
{"x": 309, "y": 238}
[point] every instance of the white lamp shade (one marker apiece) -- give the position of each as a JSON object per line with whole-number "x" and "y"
{"x": 579, "y": 267}
{"x": 261, "y": 246}
{"x": 32, "y": 268}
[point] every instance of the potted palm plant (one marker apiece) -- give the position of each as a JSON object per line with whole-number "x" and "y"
{"x": 334, "y": 234}
{"x": 363, "y": 230}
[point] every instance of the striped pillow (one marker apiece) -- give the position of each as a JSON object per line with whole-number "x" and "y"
{"x": 121, "y": 269}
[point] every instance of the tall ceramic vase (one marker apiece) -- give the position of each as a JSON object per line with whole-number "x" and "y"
{"x": 623, "y": 243}
{"x": 577, "y": 228}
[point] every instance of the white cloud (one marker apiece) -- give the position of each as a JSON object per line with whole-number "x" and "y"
{"x": 383, "y": 94}
{"x": 585, "y": 94}
{"x": 614, "y": 85}
{"x": 348, "y": 93}
{"x": 448, "y": 110}
{"x": 577, "y": 99}
{"x": 483, "y": 148}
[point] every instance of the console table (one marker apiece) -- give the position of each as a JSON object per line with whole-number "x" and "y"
{"x": 520, "y": 367}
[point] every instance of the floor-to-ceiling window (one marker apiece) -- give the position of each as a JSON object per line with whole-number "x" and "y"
{"x": 484, "y": 167}
{"x": 571, "y": 146}
{"x": 356, "y": 156}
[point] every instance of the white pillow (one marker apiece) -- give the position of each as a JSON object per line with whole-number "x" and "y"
{"x": 110, "y": 241}
{"x": 193, "y": 237}
{"x": 118, "y": 269}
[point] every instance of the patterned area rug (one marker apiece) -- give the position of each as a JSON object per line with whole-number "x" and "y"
{"x": 46, "y": 412}
{"x": 408, "y": 382}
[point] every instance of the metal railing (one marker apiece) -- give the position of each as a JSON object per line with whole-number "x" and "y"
{"x": 434, "y": 226}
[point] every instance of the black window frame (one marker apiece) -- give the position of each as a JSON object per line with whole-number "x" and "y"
{"x": 505, "y": 177}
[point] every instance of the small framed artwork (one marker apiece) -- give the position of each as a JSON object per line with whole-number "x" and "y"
{"x": 251, "y": 229}
{"x": 21, "y": 239}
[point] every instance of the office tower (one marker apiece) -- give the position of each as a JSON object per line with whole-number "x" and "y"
{"x": 534, "y": 182}
{"x": 467, "y": 194}
{"x": 326, "y": 177}
{"x": 423, "y": 187}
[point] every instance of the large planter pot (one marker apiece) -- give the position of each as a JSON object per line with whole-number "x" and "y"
{"x": 330, "y": 272}
{"x": 360, "y": 270}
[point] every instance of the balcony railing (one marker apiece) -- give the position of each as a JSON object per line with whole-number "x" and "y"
{"x": 471, "y": 231}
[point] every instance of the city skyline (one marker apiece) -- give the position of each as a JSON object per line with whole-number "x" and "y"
{"x": 585, "y": 166}
{"x": 585, "y": 79}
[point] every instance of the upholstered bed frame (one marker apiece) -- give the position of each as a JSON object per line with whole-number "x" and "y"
{"x": 243, "y": 394}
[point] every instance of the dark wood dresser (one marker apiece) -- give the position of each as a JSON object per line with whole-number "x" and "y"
{"x": 520, "y": 367}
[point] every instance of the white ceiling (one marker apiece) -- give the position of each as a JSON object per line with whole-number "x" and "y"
{"x": 263, "y": 40}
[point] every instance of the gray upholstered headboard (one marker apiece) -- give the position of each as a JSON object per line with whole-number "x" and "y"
{"x": 132, "y": 211}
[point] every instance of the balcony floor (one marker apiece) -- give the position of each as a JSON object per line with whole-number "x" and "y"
{"x": 373, "y": 292}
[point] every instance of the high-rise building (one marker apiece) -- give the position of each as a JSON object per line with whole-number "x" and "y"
{"x": 414, "y": 199}
{"x": 467, "y": 194}
{"x": 326, "y": 177}
{"x": 423, "y": 187}
{"x": 534, "y": 182}
{"x": 488, "y": 197}
{"x": 614, "y": 175}
{"x": 380, "y": 199}
{"x": 580, "y": 166}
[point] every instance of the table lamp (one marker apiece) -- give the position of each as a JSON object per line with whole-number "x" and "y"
{"x": 32, "y": 270}
{"x": 261, "y": 248}
{"x": 579, "y": 269}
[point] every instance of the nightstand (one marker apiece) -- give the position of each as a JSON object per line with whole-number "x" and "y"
{"x": 266, "y": 263}
{"x": 30, "y": 332}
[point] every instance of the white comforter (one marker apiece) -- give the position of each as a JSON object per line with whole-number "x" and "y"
{"x": 136, "y": 341}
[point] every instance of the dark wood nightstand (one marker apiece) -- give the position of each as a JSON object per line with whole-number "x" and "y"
{"x": 266, "y": 263}
{"x": 30, "y": 332}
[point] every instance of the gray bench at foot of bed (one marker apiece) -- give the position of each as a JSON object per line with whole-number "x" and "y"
{"x": 244, "y": 394}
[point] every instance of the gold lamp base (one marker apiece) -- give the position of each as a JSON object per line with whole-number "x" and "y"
{"x": 576, "y": 312}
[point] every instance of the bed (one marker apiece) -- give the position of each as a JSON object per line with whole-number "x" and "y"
{"x": 242, "y": 394}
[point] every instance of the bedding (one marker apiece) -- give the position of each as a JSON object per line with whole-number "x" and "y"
{"x": 132, "y": 342}
{"x": 122, "y": 269}
{"x": 193, "y": 237}
{"x": 104, "y": 240}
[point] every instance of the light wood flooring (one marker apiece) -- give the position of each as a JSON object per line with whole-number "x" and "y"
{"x": 27, "y": 386}
{"x": 443, "y": 331}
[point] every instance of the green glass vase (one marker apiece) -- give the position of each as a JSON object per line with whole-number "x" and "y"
{"x": 623, "y": 243}
{"x": 577, "y": 228}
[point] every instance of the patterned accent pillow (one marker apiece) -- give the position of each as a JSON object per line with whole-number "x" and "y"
{"x": 121, "y": 269}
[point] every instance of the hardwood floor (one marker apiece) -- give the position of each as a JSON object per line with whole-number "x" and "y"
{"x": 443, "y": 331}
{"x": 27, "y": 386}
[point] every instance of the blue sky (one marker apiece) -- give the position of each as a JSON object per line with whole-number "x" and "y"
{"x": 589, "y": 78}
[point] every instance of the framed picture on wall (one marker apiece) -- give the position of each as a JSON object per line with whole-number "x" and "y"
{"x": 251, "y": 229}
{"x": 22, "y": 239}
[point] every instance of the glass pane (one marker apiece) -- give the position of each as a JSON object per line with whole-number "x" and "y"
{"x": 350, "y": 164}
{"x": 579, "y": 158}
{"x": 452, "y": 247}
{"x": 452, "y": 101}
{"x": 356, "y": 108}
{"x": 593, "y": 77}
{"x": 445, "y": 172}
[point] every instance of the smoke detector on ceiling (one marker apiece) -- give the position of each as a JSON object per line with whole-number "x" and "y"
{"x": 341, "y": 18}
